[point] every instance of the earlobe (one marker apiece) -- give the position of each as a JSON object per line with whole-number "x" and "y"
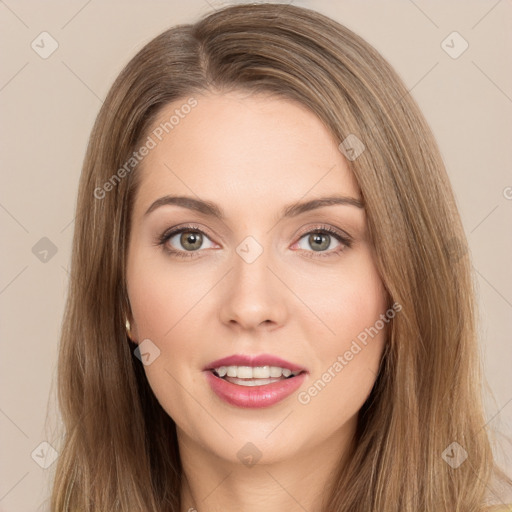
{"x": 128, "y": 331}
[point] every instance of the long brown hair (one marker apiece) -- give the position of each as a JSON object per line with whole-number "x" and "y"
{"x": 119, "y": 449}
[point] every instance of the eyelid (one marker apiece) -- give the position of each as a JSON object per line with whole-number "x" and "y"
{"x": 170, "y": 232}
{"x": 330, "y": 229}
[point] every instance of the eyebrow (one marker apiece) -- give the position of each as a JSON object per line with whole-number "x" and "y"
{"x": 212, "y": 210}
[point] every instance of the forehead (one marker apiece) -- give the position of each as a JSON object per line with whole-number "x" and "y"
{"x": 242, "y": 149}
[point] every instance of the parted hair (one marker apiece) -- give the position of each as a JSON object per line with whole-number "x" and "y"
{"x": 119, "y": 450}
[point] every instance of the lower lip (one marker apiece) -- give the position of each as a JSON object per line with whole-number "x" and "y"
{"x": 254, "y": 396}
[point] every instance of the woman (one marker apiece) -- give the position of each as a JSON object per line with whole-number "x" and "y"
{"x": 270, "y": 300}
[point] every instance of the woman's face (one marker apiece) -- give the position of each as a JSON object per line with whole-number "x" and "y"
{"x": 253, "y": 280}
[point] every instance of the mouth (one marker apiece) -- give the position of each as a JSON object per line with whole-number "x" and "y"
{"x": 254, "y": 381}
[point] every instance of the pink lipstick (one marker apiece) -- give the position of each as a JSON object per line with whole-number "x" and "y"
{"x": 254, "y": 381}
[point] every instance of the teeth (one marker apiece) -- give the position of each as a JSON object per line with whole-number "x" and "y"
{"x": 251, "y": 382}
{"x": 276, "y": 371}
{"x": 254, "y": 372}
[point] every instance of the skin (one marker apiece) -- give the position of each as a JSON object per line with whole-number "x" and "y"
{"x": 252, "y": 155}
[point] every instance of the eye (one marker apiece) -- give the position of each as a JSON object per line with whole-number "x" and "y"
{"x": 321, "y": 238}
{"x": 190, "y": 238}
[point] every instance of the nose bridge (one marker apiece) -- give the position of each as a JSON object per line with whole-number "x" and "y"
{"x": 252, "y": 295}
{"x": 250, "y": 250}
{"x": 251, "y": 262}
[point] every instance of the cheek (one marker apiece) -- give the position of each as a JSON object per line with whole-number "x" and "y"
{"x": 162, "y": 298}
{"x": 162, "y": 304}
{"x": 346, "y": 358}
{"x": 154, "y": 304}
{"x": 168, "y": 306}
{"x": 343, "y": 300}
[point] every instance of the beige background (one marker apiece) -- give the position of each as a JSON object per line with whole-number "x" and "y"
{"x": 48, "y": 107}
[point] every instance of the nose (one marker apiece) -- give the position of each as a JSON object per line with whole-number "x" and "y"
{"x": 252, "y": 295}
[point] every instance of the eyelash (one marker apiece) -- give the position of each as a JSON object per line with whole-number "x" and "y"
{"x": 344, "y": 239}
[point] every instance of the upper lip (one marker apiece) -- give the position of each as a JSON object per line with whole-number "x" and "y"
{"x": 253, "y": 360}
